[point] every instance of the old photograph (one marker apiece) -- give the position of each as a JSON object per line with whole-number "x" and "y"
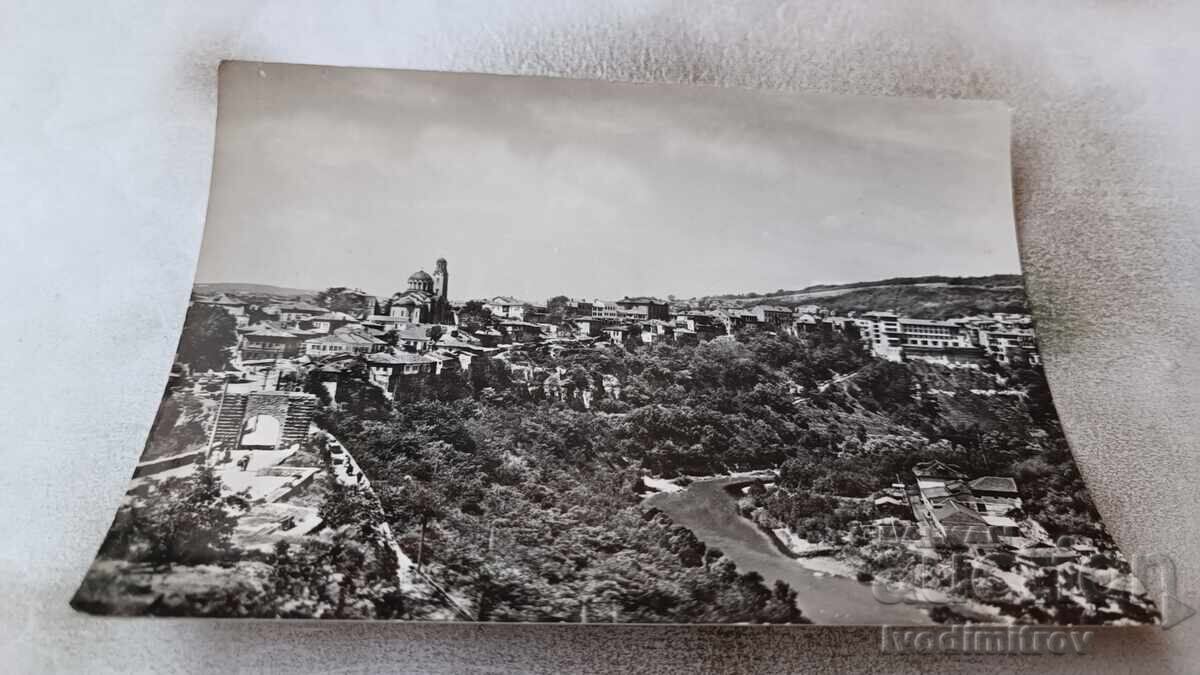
{"x": 483, "y": 348}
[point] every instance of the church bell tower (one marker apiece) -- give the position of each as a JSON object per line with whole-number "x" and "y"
{"x": 441, "y": 280}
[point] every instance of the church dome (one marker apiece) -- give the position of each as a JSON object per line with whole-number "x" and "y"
{"x": 420, "y": 275}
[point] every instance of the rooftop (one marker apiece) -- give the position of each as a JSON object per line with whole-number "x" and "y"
{"x": 937, "y": 469}
{"x": 301, "y": 307}
{"x": 346, "y": 338}
{"x": 333, "y": 316}
{"x": 399, "y": 358}
{"x": 995, "y": 484}
{"x": 222, "y": 299}
{"x": 504, "y": 300}
{"x": 272, "y": 332}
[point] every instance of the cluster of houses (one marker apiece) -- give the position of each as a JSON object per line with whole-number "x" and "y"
{"x": 966, "y": 341}
{"x": 984, "y": 513}
{"x": 958, "y": 341}
{"x": 302, "y": 334}
{"x": 416, "y": 332}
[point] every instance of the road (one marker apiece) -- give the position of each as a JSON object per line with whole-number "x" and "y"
{"x": 837, "y": 380}
{"x": 711, "y": 514}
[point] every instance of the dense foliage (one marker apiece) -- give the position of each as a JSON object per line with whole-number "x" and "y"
{"x": 209, "y": 333}
{"x": 177, "y": 427}
{"x": 521, "y": 506}
{"x": 347, "y": 300}
{"x": 517, "y": 485}
{"x": 528, "y": 498}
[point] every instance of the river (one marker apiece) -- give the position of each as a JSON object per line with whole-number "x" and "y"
{"x": 707, "y": 509}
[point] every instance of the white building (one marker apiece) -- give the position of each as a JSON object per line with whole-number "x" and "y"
{"x": 602, "y": 309}
{"x": 504, "y": 307}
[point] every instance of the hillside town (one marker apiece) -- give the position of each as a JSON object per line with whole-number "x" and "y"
{"x": 419, "y": 332}
{"x": 416, "y": 334}
{"x": 857, "y": 417}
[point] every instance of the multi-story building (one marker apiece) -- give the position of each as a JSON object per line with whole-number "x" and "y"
{"x": 776, "y": 316}
{"x": 520, "y": 331}
{"x": 577, "y": 308}
{"x": 602, "y": 309}
{"x": 1002, "y": 335}
{"x": 392, "y": 371}
{"x": 328, "y": 322}
{"x": 504, "y": 307}
{"x": 657, "y": 330}
{"x": 618, "y": 333}
{"x": 345, "y": 342}
{"x": 808, "y": 323}
{"x": 292, "y": 314}
{"x": 643, "y": 308}
{"x": 704, "y": 325}
{"x": 881, "y": 331}
{"x": 270, "y": 343}
{"x": 590, "y": 327}
{"x": 959, "y": 341}
{"x": 896, "y": 338}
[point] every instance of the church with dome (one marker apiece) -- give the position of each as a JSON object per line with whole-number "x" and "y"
{"x": 426, "y": 300}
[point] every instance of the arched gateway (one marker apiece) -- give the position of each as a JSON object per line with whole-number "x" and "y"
{"x": 265, "y": 419}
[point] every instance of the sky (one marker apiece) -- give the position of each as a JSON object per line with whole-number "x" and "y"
{"x": 535, "y": 187}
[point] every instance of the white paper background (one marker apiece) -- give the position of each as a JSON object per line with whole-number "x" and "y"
{"x": 106, "y": 131}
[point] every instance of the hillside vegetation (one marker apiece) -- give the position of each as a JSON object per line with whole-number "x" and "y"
{"x": 527, "y": 497}
{"x": 931, "y": 297}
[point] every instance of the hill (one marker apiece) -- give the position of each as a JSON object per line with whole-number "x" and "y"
{"x": 238, "y": 288}
{"x": 931, "y": 297}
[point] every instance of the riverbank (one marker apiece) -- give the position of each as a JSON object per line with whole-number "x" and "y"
{"x": 707, "y": 509}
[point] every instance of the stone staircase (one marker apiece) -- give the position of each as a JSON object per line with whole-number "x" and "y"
{"x": 229, "y": 421}
{"x": 300, "y": 413}
{"x": 293, "y": 409}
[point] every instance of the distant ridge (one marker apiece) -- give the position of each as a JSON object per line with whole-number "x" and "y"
{"x": 824, "y": 290}
{"x": 238, "y": 288}
{"x": 924, "y": 297}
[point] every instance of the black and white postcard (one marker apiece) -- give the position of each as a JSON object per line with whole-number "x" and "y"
{"x": 485, "y": 348}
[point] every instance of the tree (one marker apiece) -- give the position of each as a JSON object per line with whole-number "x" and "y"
{"x": 556, "y": 307}
{"x": 474, "y": 316}
{"x": 348, "y": 505}
{"x": 416, "y": 502}
{"x": 209, "y": 332}
{"x": 435, "y": 333}
{"x": 186, "y": 521}
{"x": 342, "y": 299}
